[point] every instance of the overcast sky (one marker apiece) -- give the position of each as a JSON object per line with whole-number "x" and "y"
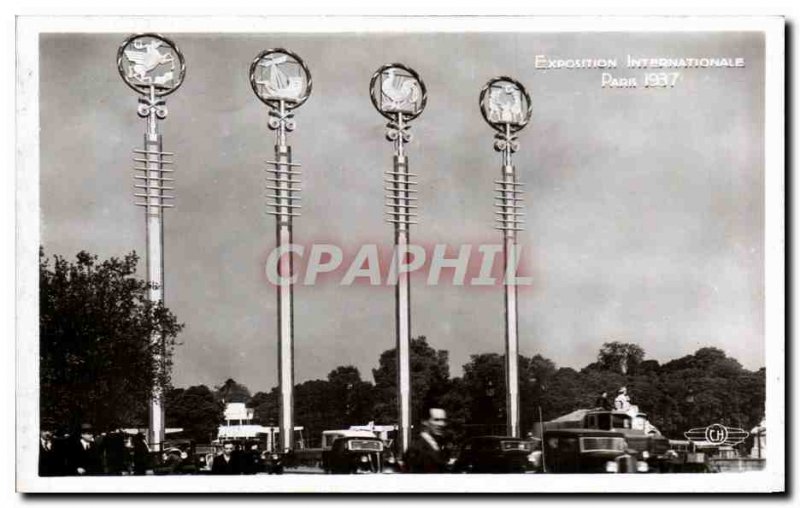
{"x": 644, "y": 207}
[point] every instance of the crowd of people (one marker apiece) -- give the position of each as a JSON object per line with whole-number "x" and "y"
{"x": 81, "y": 453}
{"x": 236, "y": 459}
{"x": 119, "y": 453}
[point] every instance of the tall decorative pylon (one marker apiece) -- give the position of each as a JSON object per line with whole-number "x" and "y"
{"x": 398, "y": 93}
{"x": 506, "y": 107}
{"x": 282, "y": 81}
{"x": 154, "y": 67}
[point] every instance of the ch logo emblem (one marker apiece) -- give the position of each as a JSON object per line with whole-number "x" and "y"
{"x": 717, "y": 434}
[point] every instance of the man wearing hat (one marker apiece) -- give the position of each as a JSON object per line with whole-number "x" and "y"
{"x": 83, "y": 457}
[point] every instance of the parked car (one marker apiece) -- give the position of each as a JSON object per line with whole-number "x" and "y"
{"x": 272, "y": 462}
{"x": 173, "y": 460}
{"x": 355, "y": 455}
{"x": 588, "y": 451}
{"x": 494, "y": 454}
{"x": 204, "y": 457}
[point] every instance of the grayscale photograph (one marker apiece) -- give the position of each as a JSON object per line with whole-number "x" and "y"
{"x": 398, "y": 259}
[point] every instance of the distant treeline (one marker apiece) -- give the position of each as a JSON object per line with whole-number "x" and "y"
{"x": 696, "y": 390}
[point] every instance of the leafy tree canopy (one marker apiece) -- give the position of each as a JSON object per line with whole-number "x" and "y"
{"x": 98, "y": 360}
{"x": 231, "y": 391}
{"x": 196, "y": 410}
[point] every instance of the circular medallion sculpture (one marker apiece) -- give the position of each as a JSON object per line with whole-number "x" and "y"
{"x": 278, "y": 75}
{"x": 397, "y": 89}
{"x": 505, "y": 104}
{"x": 151, "y": 64}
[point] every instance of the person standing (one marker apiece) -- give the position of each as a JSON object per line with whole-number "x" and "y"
{"x": 115, "y": 454}
{"x": 425, "y": 454}
{"x": 141, "y": 454}
{"x": 83, "y": 457}
{"x": 622, "y": 402}
{"x": 603, "y": 402}
{"x": 226, "y": 463}
{"x": 50, "y": 463}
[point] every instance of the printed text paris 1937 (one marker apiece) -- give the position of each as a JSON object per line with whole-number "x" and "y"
{"x": 651, "y": 72}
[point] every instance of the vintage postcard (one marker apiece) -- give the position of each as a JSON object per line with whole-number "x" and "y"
{"x": 376, "y": 254}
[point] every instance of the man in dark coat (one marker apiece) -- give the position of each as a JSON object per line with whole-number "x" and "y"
{"x": 226, "y": 463}
{"x": 425, "y": 454}
{"x": 141, "y": 454}
{"x": 50, "y": 459}
{"x": 115, "y": 454}
{"x": 83, "y": 457}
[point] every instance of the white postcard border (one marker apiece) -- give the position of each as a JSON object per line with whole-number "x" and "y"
{"x": 27, "y": 236}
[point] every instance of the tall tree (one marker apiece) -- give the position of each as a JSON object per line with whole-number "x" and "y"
{"x": 710, "y": 387}
{"x": 196, "y": 410}
{"x": 430, "y": 374}
{"x": 352, "y": 398}
{"x": 97, "y": 360}
{"x": 536, "y": 374}
{"x": 315, "y": 410}
{"x": 484, "y": 380}
{"x": 620, "y": 357}
{"x": 231, "y": 391}
{"x": 266, "y": 407}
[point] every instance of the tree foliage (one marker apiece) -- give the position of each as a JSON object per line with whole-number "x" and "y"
{"x": 341, "y": 400}
{"x": 620, "y": 357}
{"x": 430, "y": 375}
{"x": 693, "y": 391}
{"x": 231, "y": 391}
{"x": 266, "y": 406}
{"x": 97, "y": 360}
{"x": 196, "y": 410}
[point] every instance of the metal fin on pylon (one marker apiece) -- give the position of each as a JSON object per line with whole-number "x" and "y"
{"x": 399, "y": 187}
{"x": 508, "y": 203}
{"x": 283, "y": 189}
{"x": 151, "y": 180}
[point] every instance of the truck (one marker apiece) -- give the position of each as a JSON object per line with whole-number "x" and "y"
{"x": 642, "y": 438}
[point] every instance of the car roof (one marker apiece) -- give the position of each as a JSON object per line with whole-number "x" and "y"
{"x": 496, "y": 438}
{"x": 349, "y": 433}
{"x": 583, "y": 432}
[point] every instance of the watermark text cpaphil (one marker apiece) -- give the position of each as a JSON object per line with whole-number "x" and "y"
{"x": 477, "y": 265}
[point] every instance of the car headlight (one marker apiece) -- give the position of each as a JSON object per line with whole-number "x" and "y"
{"x": 641, "y": 466}
{"x": 645, "y": 455}
{"x": 364, "y": 458}
{"x": 611, "y": 467}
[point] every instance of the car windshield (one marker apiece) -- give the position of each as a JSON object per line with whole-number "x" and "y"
{"x": 593, "y": 444}
{"x": 328, "y": 439}
{"x": 515, "y": 445}
{"x": 620, "y": 421}
{"x": 365, "y": 445}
